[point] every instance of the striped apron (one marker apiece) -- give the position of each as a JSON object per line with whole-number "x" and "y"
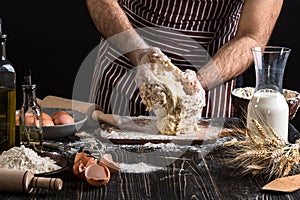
{"x": 189, "y": 32}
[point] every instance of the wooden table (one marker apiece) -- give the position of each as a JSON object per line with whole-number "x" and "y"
{"x": 189, "y": 172}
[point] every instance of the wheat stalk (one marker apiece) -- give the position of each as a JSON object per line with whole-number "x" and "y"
{"x": 262, "y": 151}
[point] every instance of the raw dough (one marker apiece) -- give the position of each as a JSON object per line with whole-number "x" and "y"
{"x": 176, "y": 97}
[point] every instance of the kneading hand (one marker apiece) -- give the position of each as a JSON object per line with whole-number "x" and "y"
{"x": 176, "y": 97}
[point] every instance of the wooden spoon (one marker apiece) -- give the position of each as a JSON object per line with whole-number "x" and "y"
{"x": 284, "y": 184}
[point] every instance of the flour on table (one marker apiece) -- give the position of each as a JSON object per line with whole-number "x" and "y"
{"x": 138, "y": 168}
{"x": 22, "y": 158}
{"x": 210, "y": 133}
{"x": 166, "y": 146}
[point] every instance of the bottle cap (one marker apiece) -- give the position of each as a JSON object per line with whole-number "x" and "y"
{"x": 3, "y": 36}
{"x": 27, "y": 85}
{"x": 27, "y": 77}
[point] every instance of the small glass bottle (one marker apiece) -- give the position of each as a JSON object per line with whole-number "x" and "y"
{"x": 7, "y": 98}
{"x": 268, "y": 105}
{"x": 31, "y": 132}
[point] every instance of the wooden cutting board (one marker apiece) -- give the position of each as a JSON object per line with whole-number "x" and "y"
{"x": 136, "y": 130}
{"x": 131, "y": 137}
{"x": 141, "y": 130}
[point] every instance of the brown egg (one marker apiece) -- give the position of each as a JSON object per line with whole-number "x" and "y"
{"x": 63, "y": 118}
{"x": 56, "y": 114}
{"x": 48, "y": 122}
{"x": 97, "y": 175}
{"x": 29, "y": 119}
{"x": 17, "y": 119}
{"x": 45, "y": 116}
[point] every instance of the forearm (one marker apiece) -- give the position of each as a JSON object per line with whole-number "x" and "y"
{"x": 256, "y": 24}
{"x": 113, "y": 24}
{"x": 230, "y": 61}
{"x": 104, "y": 13}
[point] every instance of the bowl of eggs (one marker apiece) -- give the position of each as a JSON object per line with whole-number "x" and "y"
{"x": 59, "y": 122}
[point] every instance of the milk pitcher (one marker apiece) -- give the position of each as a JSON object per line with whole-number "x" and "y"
{"x": 268, "y": 105}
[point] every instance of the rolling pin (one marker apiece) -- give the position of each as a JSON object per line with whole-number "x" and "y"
{"x": 13, "y": 180}
{"x": 93, "y": 111}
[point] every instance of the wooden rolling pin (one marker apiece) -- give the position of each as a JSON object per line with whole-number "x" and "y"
{"x": 93, "y": 111}
{"x": 13, "y": 180}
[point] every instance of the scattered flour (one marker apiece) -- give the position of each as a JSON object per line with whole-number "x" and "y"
{"x": 23, "y": 158}
{"x": 138, "y": 168}
{"x": 165, "y": 146}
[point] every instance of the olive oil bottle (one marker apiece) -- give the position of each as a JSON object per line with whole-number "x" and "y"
{"x": 31, "y": 132}
{"x": 7, "y": 98}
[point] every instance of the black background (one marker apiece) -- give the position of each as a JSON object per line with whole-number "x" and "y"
{"x": 53, "y": 38}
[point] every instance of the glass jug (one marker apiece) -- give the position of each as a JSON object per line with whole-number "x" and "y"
{"x": 268, "y": 105}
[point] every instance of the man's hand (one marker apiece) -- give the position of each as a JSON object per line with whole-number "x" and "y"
{"x": 155, "y": 63}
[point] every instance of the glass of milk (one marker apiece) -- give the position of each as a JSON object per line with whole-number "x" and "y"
{"x": 268, "y": 105}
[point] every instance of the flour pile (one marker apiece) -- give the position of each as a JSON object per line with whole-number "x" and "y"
{"x": 22, "y": 158}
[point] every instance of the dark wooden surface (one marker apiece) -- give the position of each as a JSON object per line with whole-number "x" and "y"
{"x": 191, "y": 172}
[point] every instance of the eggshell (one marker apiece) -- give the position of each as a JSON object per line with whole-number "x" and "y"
{"x": 107, "y": 160}
{"x": 97, "y": 175}
{"x": 63, "y": 118}
{"x": 81, "y": 162}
